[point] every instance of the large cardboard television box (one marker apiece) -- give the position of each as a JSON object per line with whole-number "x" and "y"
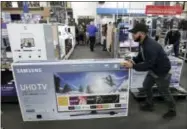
{"x": 72, "y": 89}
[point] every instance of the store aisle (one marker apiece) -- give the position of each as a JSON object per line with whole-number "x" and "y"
{"x": 83, "y": 52}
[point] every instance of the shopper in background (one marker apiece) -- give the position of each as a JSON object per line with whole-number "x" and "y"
{"x": 173, "y": 37}
{"x": 104, "y": 34}
{"x": 87, "y": 36}
{"x": 158, "y": 32}
{"x": 84, "y": 36}
{"x": 81, "y": 33}
{"x": 92, "y": 29}
{"x": 77, "y": 33}
{"x": 152, "y": 58}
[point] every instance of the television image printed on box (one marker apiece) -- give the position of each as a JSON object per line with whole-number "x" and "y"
{"x": 90, "y": 88}
{"x": 80, "y": 89}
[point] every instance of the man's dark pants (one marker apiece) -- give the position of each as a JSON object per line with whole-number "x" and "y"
{"x": 163, "y": 83}
{"x": 92, "y": 42}
{"x": 156, "y": 38}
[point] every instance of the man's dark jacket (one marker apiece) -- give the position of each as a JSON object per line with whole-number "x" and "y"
{"x": 152, "y": 57}
{"x": 172, "y": 37}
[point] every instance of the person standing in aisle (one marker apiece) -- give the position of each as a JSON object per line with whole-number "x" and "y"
{"x": 92, "y": 29}
{"x": 84, "y": 27}
{"x": 152, "y": 58}
{"x": 173, "y": 37}
{"x": 87, "y": 36}
{"x": 77, "y": 34}
{"x": 81, "y": 33}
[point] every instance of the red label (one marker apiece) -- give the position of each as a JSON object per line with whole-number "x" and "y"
{"x": 163, "y": 10}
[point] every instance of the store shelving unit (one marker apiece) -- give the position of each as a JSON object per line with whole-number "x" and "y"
{"x": 126, "y": 48}
{"x": 8, "y": 91}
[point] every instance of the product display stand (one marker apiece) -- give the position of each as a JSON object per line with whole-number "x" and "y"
{"x": 115, "y": 45}
{"x": 8, "y": 91}
{"x": 183, "y": 46}
{"x": 109, "y": 38}
{"x": 183, "y": 52}
{"x": 70, "y": 52}
{"x": 126, "y": 48}
{"x": 66, "y": 41}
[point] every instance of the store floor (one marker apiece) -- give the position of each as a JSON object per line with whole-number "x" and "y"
{"x": 83, "y": 52}
{"x": 11, "y": 117}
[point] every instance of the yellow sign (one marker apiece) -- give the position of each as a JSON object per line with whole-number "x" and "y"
{"x": 62, "y": 101}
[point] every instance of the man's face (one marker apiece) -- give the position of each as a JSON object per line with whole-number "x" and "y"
{"x": 136, "y": 36}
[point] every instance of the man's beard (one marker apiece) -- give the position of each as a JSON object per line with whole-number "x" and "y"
{"x": 138, "y": 39}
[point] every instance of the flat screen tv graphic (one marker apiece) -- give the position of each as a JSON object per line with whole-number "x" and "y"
{"x": 90, "y": 90}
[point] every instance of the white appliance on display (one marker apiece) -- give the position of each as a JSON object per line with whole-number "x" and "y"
{"x": 71, "y": 34}
{"x": 66, "y": 41}
{"x": 72, "y": 31}
{"x": 62, "y": 46}
{"x": 31, "y": 42}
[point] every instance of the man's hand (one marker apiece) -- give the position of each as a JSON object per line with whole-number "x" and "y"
{"x": 128, "y": 64}
{"x": 130, "y": 60}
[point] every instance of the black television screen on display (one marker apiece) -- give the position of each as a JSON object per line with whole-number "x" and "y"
{"x": 15, "y": 17}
